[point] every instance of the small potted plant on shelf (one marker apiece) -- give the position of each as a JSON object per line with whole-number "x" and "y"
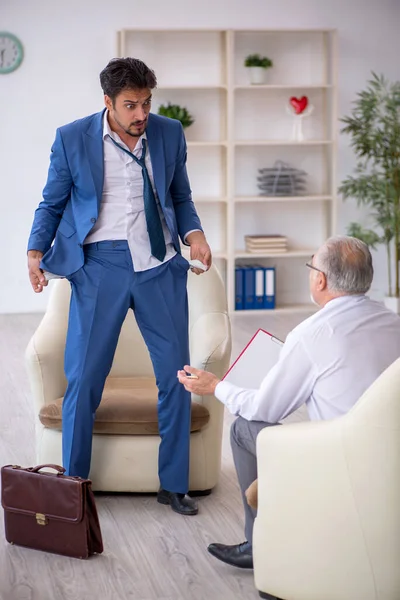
{"x": 257, "y": 66}
{"x": 174, "y": 111}
{"x": 374, "y": 127}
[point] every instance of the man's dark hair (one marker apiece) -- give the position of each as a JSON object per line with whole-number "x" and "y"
{"x": 126, "y": 73}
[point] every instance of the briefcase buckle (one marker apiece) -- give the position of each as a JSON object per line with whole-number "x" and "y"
{"x": 41, "y": 519}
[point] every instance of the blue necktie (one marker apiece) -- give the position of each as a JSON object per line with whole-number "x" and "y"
{"x": 153, "y": 221}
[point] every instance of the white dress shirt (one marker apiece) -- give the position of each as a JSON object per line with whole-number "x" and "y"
{"x": 327, "y": 362}
{"x": 121, "y": 215}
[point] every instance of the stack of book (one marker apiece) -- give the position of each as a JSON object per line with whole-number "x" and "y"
{"x": 266, "y": 244}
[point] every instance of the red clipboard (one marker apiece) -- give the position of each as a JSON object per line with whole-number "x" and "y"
{"x": 255, "y": 360}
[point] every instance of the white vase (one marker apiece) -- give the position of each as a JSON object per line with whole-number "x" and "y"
{"x": 257, "y": 75}
{"x": 392, "y": 303}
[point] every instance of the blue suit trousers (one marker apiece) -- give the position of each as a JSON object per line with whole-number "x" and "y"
{"x": 103, "y": 290}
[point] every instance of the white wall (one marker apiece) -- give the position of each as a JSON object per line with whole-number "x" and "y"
{"x": 66, "y": 46}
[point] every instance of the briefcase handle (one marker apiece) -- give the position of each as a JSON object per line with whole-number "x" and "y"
{"x": 60, "y": 470}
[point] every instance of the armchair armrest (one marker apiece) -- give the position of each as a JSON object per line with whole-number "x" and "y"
{"x": 44, "y": 360}
{"x": 307, "y": 522}
{"x": 210, "y": 347}
{"x": 210, "y": 342}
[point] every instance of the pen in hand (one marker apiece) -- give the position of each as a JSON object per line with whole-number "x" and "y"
{"x": 197, "y": 381}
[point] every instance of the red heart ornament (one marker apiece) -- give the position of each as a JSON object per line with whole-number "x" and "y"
{"x": 299, "y": 104}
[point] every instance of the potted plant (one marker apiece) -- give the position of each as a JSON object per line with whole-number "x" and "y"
{"x": 257, "y": 66}
{"x": 174, "y": 111}
{"x": 374, "y": 128}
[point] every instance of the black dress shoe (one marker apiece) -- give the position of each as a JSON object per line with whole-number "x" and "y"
{"x": 240, "y": 555}
{"x": 178, "y": 502}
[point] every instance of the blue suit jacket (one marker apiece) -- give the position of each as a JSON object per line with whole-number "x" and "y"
{"x": 73, "y": 192}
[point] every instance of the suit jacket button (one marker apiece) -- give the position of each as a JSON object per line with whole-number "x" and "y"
{"x": 93, "y": 220}
{"x": 80, "y": 245}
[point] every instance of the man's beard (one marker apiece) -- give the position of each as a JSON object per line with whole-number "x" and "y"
{"x": 128, "y": 132}
{"x": 135, "y": 135}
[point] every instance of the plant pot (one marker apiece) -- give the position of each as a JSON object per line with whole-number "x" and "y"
{"x": 392, "y": 303}
{"x": 257, "y": 75}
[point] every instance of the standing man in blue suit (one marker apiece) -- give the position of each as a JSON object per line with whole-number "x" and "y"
{"x": 116, "y": 202}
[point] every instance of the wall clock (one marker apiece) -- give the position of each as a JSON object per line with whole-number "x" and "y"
{"x": 11, "y": 52}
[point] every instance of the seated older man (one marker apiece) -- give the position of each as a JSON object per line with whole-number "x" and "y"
{"x": 327, "y": 362}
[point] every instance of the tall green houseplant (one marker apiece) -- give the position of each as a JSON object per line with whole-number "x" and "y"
{"x": 374, "y": 129}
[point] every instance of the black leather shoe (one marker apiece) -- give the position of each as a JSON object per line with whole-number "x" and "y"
{"x": 178, "y": 502}
{"x": 240, "y": 555}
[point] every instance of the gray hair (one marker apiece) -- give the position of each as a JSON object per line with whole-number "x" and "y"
{"x": 347, "y": 265}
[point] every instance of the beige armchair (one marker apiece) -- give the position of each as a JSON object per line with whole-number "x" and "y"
{"x": 328, "y": 522}
{"x": 129, "y": 462}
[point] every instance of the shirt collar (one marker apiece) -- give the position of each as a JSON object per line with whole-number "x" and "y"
{"x": 347, "y": 299}
{"x": 107, "y": 131}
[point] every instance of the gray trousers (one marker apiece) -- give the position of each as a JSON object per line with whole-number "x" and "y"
{"x": 243, "y": 442}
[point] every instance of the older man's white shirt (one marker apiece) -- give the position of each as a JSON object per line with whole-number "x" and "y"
{"x": 327, "y": 362}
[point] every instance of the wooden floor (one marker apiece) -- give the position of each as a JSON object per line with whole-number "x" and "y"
{"x": 150, "y": 552}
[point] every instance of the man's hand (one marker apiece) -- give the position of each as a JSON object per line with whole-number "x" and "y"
{"x": 203, "y": 385}
{"x": 199, "y": 249}
{"x": 36, "y": 277}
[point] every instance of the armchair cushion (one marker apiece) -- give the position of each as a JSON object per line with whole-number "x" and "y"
{"x": 128, "y": 407}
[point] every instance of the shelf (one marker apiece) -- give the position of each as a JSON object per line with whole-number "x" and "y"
{"x": 295, "y": 86}
{"x": 285, "y": 31}
{"x": 179, "y": 57}
{"x": 203, "y": 70}
{"x": 173, "y": 30}
{"x": 288, "y": 254}
{"x": 189, "y": 88}
{"x": 217, "y": 254}
{"x": 282, "y": 143}
{"x": 244, "y": 199}
{"x": 290, "y": 308}
{"x": 204, "y": 144}
{"x": 297, "y": 56}
{"x": 210, "y": 200}
{"x": 261, "y": 143}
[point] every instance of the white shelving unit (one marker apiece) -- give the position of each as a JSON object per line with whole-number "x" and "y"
{"x": 240, "y": 128}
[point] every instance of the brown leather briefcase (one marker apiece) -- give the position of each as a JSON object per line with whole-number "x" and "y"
{"x": 50, "y": 511}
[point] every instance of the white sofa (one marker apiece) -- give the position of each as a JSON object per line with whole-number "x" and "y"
{"x": 328, "y": 522}
{"x": 129, "y": 462}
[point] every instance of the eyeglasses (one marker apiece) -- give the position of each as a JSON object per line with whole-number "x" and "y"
{"x": 310, "y": 266}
